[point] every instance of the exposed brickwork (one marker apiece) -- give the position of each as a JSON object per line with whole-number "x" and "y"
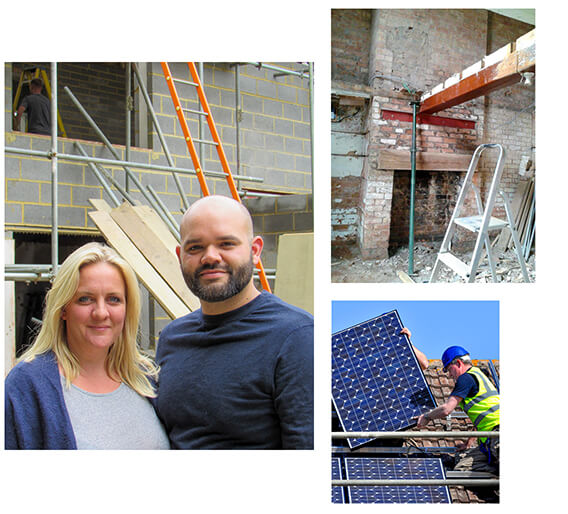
{"x": 435, "y": 197}
{"x": 374, "y": 211}
{"x": 345, "y": 193}
{"x": 351, "y": 29}
{"x": 412, "y": 50}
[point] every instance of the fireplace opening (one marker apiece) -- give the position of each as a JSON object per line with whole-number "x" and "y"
{"x": 436, "y": 194}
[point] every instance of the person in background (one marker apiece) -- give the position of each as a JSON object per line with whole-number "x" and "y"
{"x": 84, "y": 384}
{"x": 38, "y": 109}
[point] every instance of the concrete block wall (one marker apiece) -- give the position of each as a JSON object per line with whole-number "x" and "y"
{"x": 274, "y": 125}
{"x": 275, "y": 146}
{"x": 416, "y": 49}
{"x": 99, "y": 87}
{"x": 273, "y": 216}
{"x": 28, "y": 183}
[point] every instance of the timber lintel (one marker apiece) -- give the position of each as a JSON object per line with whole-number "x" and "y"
{"x": 425, "y": 161}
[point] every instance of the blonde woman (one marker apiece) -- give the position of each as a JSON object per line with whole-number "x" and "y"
{"x": 84, "y": 384}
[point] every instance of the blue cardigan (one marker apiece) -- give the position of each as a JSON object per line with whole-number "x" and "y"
{"x": 35, "y": 414}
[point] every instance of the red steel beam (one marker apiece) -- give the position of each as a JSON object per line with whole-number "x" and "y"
{"x": 427, "y": 119}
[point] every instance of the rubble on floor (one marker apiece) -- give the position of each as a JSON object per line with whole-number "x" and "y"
{"x": 355, "y": 269}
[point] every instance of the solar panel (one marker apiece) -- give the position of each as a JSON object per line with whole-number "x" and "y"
{"x": 377, "y": 383}
{"x": 336, "y": 491}
{"x": 396, "y": 468}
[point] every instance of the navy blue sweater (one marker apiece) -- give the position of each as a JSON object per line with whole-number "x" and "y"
{"x": 35, "y": 414}
{"x": 243, "y": 379}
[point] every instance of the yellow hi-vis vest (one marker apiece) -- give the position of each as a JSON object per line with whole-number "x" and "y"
{"x": 483, "y": 408}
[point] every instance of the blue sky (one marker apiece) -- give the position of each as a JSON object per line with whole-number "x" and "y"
{"x": 435, "y": 325}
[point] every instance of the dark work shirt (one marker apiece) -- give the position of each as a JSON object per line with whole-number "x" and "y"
{"x": 38, "y": 109}
{"x": 466, "y": 386}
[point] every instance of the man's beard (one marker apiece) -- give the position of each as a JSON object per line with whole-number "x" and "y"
{"x": 237, "y": 279}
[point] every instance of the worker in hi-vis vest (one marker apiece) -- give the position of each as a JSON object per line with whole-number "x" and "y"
{"x": 479, "y": 398}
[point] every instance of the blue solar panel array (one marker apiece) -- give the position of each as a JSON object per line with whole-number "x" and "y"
{"x": 377, "y": 383}
{"x": 336, "y": 491}
{"x": 361, "y": 468}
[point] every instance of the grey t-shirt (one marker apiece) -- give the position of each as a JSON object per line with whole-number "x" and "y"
{"x": 119, "y": 420}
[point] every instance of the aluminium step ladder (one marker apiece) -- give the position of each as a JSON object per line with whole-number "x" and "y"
{"x": 216, "y": 140}
{"x": 480, "y": 224}
{"x": 26, "y": 76}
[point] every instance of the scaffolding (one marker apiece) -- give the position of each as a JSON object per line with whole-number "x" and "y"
{"x": 34, "y": 273}
{"x": 117, "y": 192}
{"x": 475, "y": 479}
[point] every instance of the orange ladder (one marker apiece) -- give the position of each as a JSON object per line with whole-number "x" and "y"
{"x": 206, "y": 112}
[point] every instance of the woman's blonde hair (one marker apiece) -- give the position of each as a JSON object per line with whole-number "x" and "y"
{"x": 124, "y": 362}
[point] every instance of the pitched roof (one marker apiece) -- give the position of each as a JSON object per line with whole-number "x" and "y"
{"x": 441, "y": 386}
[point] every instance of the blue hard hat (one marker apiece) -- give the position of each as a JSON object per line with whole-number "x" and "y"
{"x": 451, "y": 353}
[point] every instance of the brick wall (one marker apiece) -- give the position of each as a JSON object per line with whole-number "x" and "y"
{"x": 344, "y": 212}
{"x": 348, "y": 147}
{"x": 435, "y": 198}
{"x": 351, "y": 33}
{"x": 411, "y": 51}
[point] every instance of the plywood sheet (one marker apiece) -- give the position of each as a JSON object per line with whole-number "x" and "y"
{"x": 295, "y": 270}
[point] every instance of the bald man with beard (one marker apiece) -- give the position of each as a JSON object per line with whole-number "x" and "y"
{"x": 238, "y": 372}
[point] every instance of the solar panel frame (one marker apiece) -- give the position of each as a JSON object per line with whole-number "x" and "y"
{"x": 380, "y": 468}
{"x": 337, "y": 492}
{"x": 377, "y": 382}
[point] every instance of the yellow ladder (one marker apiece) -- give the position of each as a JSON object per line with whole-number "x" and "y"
{"x": 206, "y": 112}
{"x": 27, "y": 75}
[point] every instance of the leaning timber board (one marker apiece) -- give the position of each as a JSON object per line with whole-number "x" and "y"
{"x": 153, "y": 221}
{"x": 155, "y": 284}
{"x": 295, "y": 270}
{"x": 151, "y": 246}
{"x": 517, "y": 205}
{"x": 100, "y": 205}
